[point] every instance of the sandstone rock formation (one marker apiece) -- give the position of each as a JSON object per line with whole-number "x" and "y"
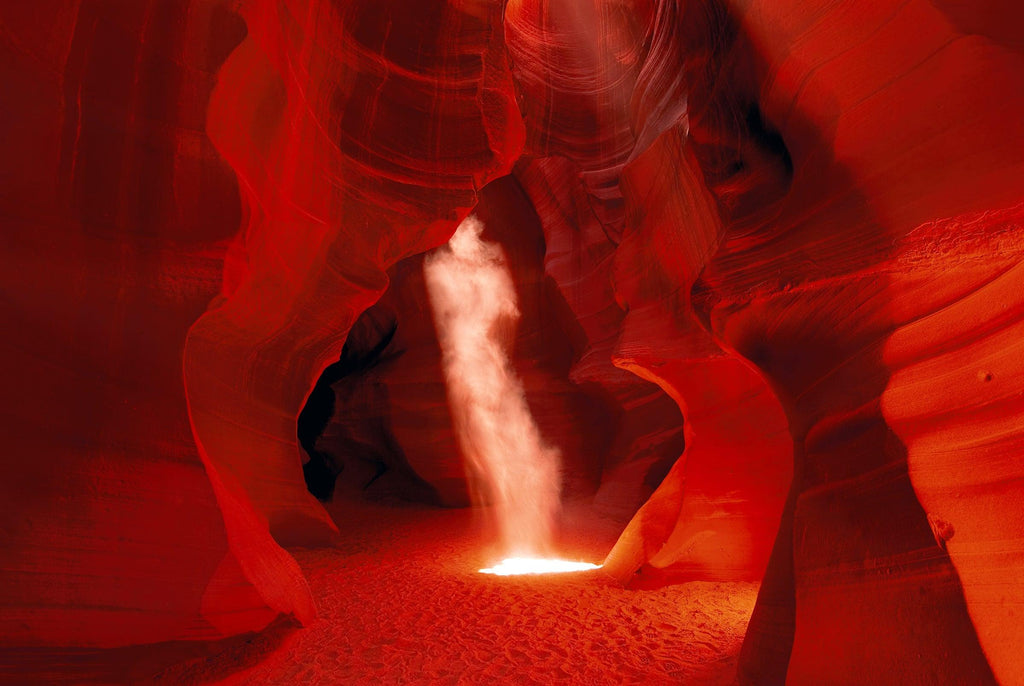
{"x": 790, "y": 232}
{"x": 360, "y": 132}
{"x": 868, "y": 248}
{"x": 117, "y": 215}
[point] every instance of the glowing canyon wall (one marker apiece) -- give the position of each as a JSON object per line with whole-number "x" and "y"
{"x": 767, "y": 254}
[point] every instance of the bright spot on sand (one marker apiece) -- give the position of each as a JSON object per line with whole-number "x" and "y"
{"x": 536, "y": 565}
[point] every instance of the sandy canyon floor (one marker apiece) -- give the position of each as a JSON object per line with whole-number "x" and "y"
{"x": 400, "y": 601}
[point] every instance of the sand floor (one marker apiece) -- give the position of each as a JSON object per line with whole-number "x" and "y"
{"x": 400, "y": 601}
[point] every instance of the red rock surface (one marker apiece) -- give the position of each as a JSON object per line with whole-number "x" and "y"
{"x": 360, "y": 133}
{"x": 717, "y": 512}
{"x": 117, "y": 213}
{"x": 889, "y": 115}
{"x": 790, "y": 232}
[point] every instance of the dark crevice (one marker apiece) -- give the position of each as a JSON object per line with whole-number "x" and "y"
{"x": 322, "y": 470}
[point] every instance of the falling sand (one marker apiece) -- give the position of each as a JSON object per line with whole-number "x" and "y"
{"x": 509, "y": 466}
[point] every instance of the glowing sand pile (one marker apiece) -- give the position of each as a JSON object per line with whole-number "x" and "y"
{"x": 474, "y": 304}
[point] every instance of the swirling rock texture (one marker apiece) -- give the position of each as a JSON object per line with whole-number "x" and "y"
{"x": 647, "y": 428}
{"x": 117, "y": 215}
{"x": 790, "y": 230}
{"x": 893, "y": 228}
{"x": 361, "y": 132}
{"x": 718, "y": 510}
{"x": 126, "y": 224}
{"x": 591, "y": 126}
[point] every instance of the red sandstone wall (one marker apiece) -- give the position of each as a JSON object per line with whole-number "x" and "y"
{"x": 817, "y": 259}
{"x": 724, "y": 495}
{"x": 901, "y": 224}
{"x": 116, "y": 212}
{"x": 360, "y": 133}
{"x": 123, "y": 222}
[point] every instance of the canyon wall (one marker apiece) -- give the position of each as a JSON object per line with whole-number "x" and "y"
{"x": 901, "y": 218}
{"x": 192, "y": 187}
{"x": 789, "y": 230}
{"x": 117, "y": 215}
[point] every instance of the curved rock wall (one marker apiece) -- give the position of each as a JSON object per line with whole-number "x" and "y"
{"x": 900, "y": 213}
{"x": 117, "y": 214}
{"x": 798, "y": 223}
{"x": 360, "y": 132}
{"x": 726, "y": 491}
{"x": 126, "y": 224}
{"x": 647, "y": 436}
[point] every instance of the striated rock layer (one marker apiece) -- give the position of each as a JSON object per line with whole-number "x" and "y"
{"x": 629, "y": 226}
{"x": 790, "y": 231}
{"x": 867, "y": 294}
{"x": 117, "y": 213}
{"x": 360, "y": 133}
{"x": 717, "y": 512}
{"x": 125, "y": 223}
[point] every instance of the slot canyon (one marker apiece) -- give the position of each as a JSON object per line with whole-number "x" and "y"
{"x": 316, "y": 310}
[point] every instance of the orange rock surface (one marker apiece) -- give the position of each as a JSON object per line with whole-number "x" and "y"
{"x": 768, "y": 255}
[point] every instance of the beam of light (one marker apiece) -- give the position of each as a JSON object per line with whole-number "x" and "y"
{"x": 536, "y": 565}
{"x": 510, "y": 467}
